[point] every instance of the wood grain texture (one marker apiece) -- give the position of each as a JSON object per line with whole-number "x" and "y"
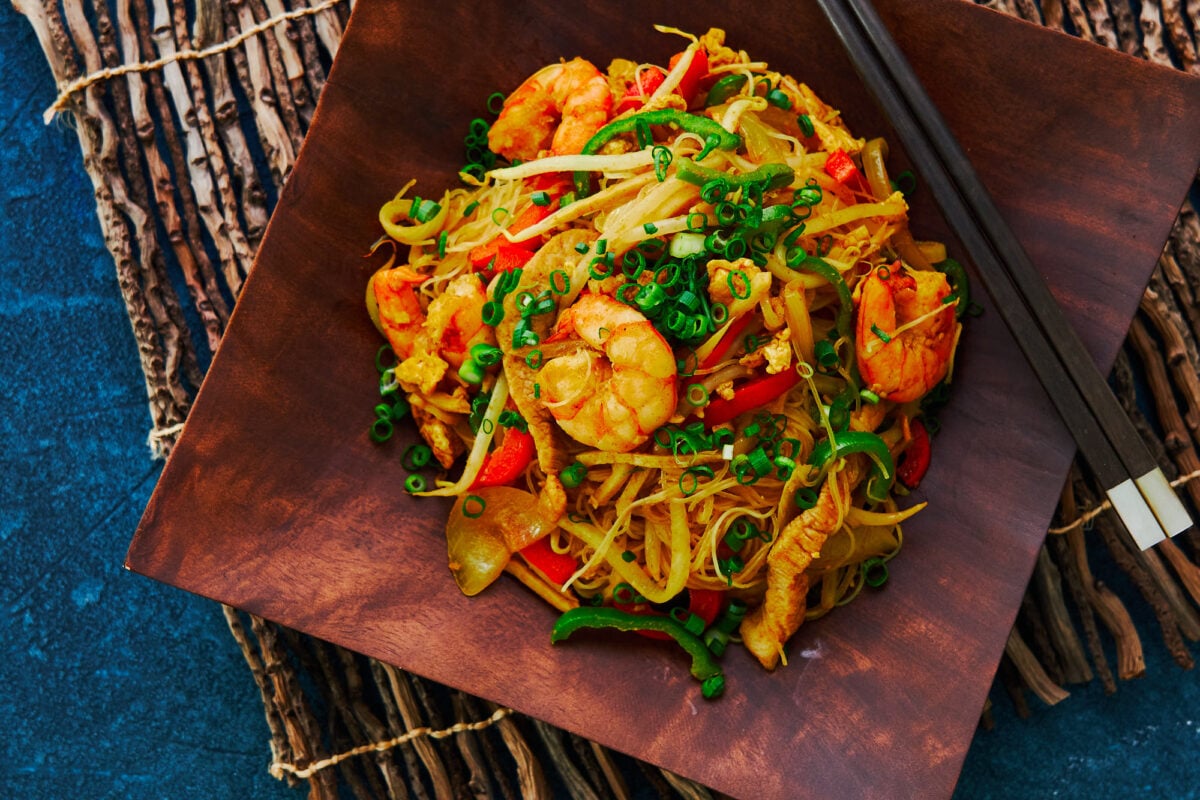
{"x": 275, "y": 500}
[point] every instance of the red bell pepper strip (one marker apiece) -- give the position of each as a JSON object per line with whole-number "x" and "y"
{"x": 704, "y": 603}
{"x": 696, "y": 71}
{"x": 727, "y": 341}
{"x": 557, "y": 567}
{"x": 914, "y": 461}
{"x": 635, "y": 96}
{"x": 752, "y": 394}
{"x": 508, "y": 461}
{"x": 841, "y": 167}
{"x": 532, "y": 214}
{"x": 505, "y": 258}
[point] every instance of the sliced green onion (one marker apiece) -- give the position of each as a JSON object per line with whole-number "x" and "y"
{"x": 804, "y": 498}
{"x": 560, "y": 282}
{"x": 875, "y": 572}
{"x": 414, "y": 483}
{"x": 486, "y": 354}
{"x": 471, "y": 372}
{"x": 473, "y": 506}
{"x": 416, "y": 456}
{"x": 493, "y": 312}
{"x": 382, "y": 429}
{"x": 381, "y": 353}
{"x": 541, "y": 198}
{"x": 806, "y": 125}
{"x": 779, "y": 98}
{"x": 572, "y": 476}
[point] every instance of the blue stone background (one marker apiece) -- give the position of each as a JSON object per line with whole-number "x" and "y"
{"x": 114, "y": 686}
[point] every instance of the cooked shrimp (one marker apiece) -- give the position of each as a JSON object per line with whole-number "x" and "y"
{"x": 455, "y": 320}
{"x": 558, "y": 108}
{"x": 441, "y": 338}
{"x": 399, "y": 309}
{"x": 905, "y": 332}
{"x": 615, "y": 392}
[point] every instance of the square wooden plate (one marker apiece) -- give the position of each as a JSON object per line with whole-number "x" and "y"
{"x": 275, "y": 500}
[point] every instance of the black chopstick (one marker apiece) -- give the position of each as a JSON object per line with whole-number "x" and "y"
{"x": 1108, "y": 442}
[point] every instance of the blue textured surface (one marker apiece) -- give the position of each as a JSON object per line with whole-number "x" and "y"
{"x": 113, "y": 686}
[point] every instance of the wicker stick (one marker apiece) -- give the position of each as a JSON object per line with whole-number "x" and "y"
{"x": 391, "y": 714}
{"x": 328, "y": 24}
{"x": 298, "y": 719}
{"x": 576, "y": 782}
{"x": 1131, "y": 662}
{"x": 250, "y": 66}
{"x": 1003, "y": 6}
{"x": 1036, "y": 634}
{"x": 1177, "y": 438}
{"x": 208, "y": 29}
{"x": 1180, "y": 290}
{"x": 1047, "y": 584}
{"x": 1179, "y": 350}
{"x": 1154, "y": 47}
{"x": 302, "y": 29}
{"x": 435, "y": 714}
{"x": 131, "y": 197}
{"x": 281, "y": 749}
{"x": 247, "y": 17}
{"x": 1185, "y": 616}
{"x": 1080, "y": 20}
{"x": 1102, "y": 23}
{"x": 1126, "y": 389}
{"x": 397, "y": 727}
{"x": 1189, "y": 573}
{"x": 374, "y": 728}
{"x": 1179, "y": 36}
{"x": 159, "y": 291}
{"x": 342, "y": 729}
{"x": 287, "y": 35}
{"x": 1087, "y": 616}
{"x": 617, "y": 785}
{"x": 164, "y": 412}
{"x": 137, "y": 18}
{"x": 1031, "y": 670}
{"x": 402, "y": 691}
{"x": 585, "y": 754}
{"x": 687, "y": 788}
{"x": 206, "y": 296}
{"x": 235, "y": 271}
{"x": 1125, "y": 27}
{"x": 471, "y": 749}
{"x": 1053, "y": 15}
{"x": 531, "y": 780}
{"x": 469, "y": 708}
{"x": 1028, "y": 9}
{"x": 1186, "y": 247}
{"x": 186, "y": 112}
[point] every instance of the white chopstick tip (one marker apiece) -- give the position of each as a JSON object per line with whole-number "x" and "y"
{"x": 1139, "y": 520}
{"x": 1166, "y": 505}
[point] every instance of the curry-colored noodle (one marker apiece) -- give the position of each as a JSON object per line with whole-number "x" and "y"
{"x": 671, "y": 349}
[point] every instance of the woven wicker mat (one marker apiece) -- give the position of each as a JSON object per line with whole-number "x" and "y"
{"x": 154, "y": 98}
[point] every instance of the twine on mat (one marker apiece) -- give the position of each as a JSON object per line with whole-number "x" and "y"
{"x": 278, "y": 768}
{"x": 108, "y": 73}
{"x": 1091, "y": 514}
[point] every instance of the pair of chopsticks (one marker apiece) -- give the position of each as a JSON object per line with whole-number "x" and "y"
{"x": 1107, "y": 440}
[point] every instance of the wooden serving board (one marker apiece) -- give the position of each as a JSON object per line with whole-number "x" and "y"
{"x": 275, "y": 500}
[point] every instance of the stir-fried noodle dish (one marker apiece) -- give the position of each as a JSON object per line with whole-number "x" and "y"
{"x": 672, "y": 348}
